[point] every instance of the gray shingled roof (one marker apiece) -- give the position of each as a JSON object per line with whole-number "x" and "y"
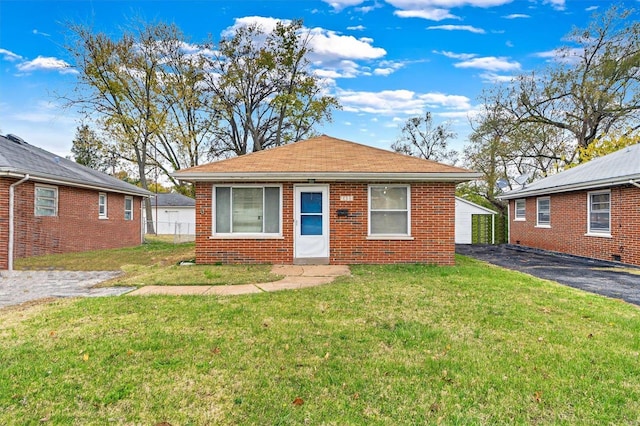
{"x": 18, "y": 158}
{"x": 172, "y": 199}
{"x": 617, "y": 168}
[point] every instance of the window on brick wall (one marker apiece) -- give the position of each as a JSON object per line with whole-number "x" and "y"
{"x": 128, "y": 208}
{"x": 520, "y": 210}
{"x": 599, "y": 213}
{"x": 102, "y": 205}
{"x": 389, "y": 210}
{"x": 46, "y": 201}
{"x": 544, "y": 212}
{"x": 247, "y": 210}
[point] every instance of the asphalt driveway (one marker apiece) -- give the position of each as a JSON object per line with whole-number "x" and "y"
{"x": 601, "y": 277}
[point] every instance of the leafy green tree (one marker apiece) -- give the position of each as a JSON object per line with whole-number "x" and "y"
{"x": 593, "y": 87}
{"x": 421, "y": 138}
{"x": 262, "y": 91}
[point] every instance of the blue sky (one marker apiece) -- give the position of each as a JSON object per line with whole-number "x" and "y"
{"x": 385, "y": 60}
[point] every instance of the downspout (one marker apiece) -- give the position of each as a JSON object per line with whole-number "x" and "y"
{"x": 11, "y": 217}
{"x": 634, "y": 183}
{"x": 508, "y": 222}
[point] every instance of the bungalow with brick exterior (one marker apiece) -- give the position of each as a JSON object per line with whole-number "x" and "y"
{"x": 325, "y": 201}
{"x": 49, "y": 204}
{"x": 591, "y": 210}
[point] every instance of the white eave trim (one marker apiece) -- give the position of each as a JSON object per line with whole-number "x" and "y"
{"x": 75, "y": 184}
{"x": 321, "y": 176}
{"x": 597, "y": 184}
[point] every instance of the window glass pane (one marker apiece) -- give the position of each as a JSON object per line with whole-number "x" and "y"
{"x": 544, "y": 211}
{"x": 247, "y": 209}
{"x": 46, "y": 202}
{"x": 311, "y": 224}
{"x": 389, "y": 223}
{"x": 45, "y": 192}
{"x": 128, "y": 208}
{"x": 223, "y": 210}
{"x": 600, "y": 221}
{"x": 388, "y": 198}
{"x": 311, "y": 202}
{"x": 272, "y": 210}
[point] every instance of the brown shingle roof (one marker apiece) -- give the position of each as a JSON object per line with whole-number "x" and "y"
{"x": 323, "y": 155}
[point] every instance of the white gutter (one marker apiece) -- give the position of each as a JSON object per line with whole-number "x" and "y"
{"x": 634, "y": 183}
{"x": 11, "y": 217}
{"x": 76, "y": 184}
{"x": 326, "y": 176}
{"x": 566, "y": 188}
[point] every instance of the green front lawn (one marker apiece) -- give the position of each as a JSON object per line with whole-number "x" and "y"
{"x": 471, "y": 344}
{"x": 156, "y": 262}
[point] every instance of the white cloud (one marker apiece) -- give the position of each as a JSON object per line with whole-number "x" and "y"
{"x": 267, "y": 24}
{"x": 393, "y": 102}
{"x": 356, "y": 28}
{"x": 453, "y": 55}
{"x": 46, "y": 63}
{"x": 457, "y": 28}
{"x": 491, "y": 77}
{"x": 388, "y": 67}
{"x": 591, "y": 8}
{"x": 8, "y": 55}
{"x": 556, "y": 4}
{"x": 333, "y": 55}
{"x": 329, "y": 45}
{"x": 489, "y": 63}
{"x": 36, "y": 32}
{"x": 429, "y": 14}
{"x": 516, "y": 16}
{"x": 566, "y": 56}
{"x": 341, "y": 4}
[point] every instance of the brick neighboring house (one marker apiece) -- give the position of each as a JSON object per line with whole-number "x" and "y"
{"x": 49, "y": 204}
{"x": 591, "y": 210}
{"x": 325, "y": 201}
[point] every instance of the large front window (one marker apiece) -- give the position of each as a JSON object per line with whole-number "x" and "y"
{"x": 46, "y": 201}
{"x": 247, "y": 210}
{"x": 389, "y": 210}
{"x": 599, "y": 213}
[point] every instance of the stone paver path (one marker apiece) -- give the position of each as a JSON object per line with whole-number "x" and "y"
{"x": 295, "y": 277}
{"x": 22, "y": 286}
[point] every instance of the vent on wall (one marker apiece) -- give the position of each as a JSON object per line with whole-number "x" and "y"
{"x": 16, "y": 139}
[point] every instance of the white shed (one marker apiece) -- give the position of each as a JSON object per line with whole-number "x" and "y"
{"x": 466, "y": 213}
{"x": 174, "y": 214}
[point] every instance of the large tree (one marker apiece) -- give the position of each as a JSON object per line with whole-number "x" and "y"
{"x": 420, "y": 137}
{"x": 118, "y": 86}
{"x": 593, "y": 87}
{"x": 262, "y": 90}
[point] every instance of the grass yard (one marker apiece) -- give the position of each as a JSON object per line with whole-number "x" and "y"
{"x": 153, "y": 263}
{"x": 412, "y": 344}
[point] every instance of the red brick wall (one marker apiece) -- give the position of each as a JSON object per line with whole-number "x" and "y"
{"x": 432, "y": 229}
{"x": 75, "y": 228}
{"x": 569, "y": 226}
{"x": 4, "y": 222}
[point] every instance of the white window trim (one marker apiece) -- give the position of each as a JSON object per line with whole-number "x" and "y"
{"x": 128, "y": 197}
{"x": 243, "y": 235}
{"x": 406, "y": 236}
{"x": 597, "y": 233}
{"x": 538, "y": 224}
{"x": 515, "y": 210}
{"x": 104, "y": 214}
{"x": 35, "y": 200}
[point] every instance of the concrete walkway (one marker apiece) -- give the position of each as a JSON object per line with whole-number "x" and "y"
{"x": 295, "y": 277}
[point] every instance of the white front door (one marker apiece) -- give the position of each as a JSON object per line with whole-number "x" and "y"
{"x": 311, "y": 224}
